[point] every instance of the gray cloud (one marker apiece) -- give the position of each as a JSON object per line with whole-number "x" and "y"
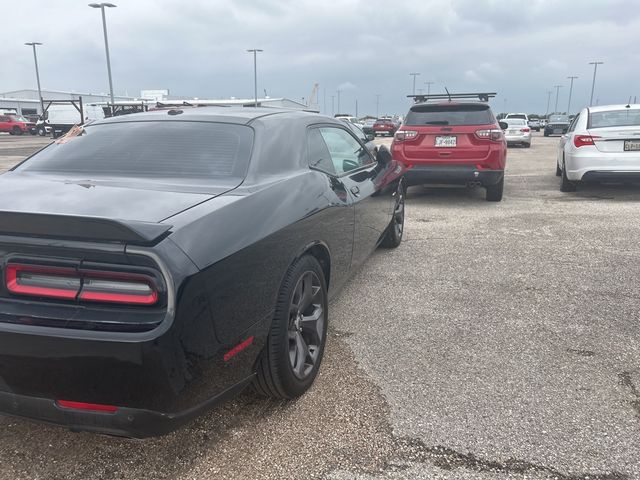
{"x": 519, "y": 48}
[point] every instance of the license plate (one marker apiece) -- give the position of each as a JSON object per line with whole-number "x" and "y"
{"x": 557, "y": 130}
{"x": 632, "y": 145}
{"x": 446, "y": 141}
{"x": 511, "y": 132}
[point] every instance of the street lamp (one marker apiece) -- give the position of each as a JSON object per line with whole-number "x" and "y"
{"x": 549, "y": 93}
{"x": 35, "y": 59}
{"x": 255, "y": 72}
{"x": 593, "y": 85}
{"x": 557, "y": 87}
{"x": 377, "y": 104}
{"x": 428, "y": 84}
{"x": 414, "y": 75}
{"x": 338, "y": 92}
{"x": 572, "y": 78}
{"x": 101, "y": 6}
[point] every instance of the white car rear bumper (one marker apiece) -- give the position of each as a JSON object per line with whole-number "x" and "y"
{"x": 610, "y": 165}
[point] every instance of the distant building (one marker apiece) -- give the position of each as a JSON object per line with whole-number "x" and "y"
{"x": 27, "y": 101}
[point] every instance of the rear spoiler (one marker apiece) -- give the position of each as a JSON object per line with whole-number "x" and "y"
{"x": 70, "y": 227}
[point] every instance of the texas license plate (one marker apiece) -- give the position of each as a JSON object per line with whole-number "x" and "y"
{"x": 511, "y": 132}
{"x": 449, "y": 141}
{"x": 632, "y": 145}
{"x": 557, "y": 130}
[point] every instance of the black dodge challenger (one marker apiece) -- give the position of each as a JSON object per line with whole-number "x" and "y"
{"x": 155, "y": 264}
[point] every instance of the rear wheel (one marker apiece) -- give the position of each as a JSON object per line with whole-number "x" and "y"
{"x": 292, "y": 355}
{"x": 41, "y": 131}
{"x": 558, "y": 170}
{"x": 527, "y": 145}
{"x": 566, "y": 185}
{"x": 393, "y": 235}
{"x": 494, "y": 192}
{"x": 16, "y": 131}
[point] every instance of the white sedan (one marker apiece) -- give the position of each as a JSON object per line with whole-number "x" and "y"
{"x": 518, "y": 132}
{"x": 602, "y": 143}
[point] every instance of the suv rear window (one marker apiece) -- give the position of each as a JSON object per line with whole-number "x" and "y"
{"x": 455, "y": 114}
{"x": 167, "y": 149}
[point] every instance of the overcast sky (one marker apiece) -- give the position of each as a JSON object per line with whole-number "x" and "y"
{"x": 520, "y": 49}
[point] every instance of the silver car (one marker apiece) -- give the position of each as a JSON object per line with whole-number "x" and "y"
{"x": 517, "y": 132}
{"x": 602, "y": 144}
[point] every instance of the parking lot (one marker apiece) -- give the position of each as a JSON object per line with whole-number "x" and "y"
{"x": 498, "y": 341}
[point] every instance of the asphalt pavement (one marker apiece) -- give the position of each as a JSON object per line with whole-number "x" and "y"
{"x": 499, "y": 341}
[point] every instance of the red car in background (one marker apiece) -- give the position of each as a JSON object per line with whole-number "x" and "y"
{"x": 384, "y": 127}
{"x": 452, "y": 142}
{"x": 15, "y": 124}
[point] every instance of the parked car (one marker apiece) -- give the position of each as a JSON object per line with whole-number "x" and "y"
{"x": 557, "y": 125}
{"x": 453, "y": 142}
{"x": 367, "y": 126}
{"x": 602, "y": 143}
{"x": 365, "y": 138}
{"x": 15, "y": 124}
{"x": 385, "y": 127}
{"x": 157, "y": 263}
{"x": 350, "y": 119}
{"x": 522, "y": 116}
{"x": 534, "y": 124}
{"x": 62, "y": 117}
{"x": 517, "y": 132}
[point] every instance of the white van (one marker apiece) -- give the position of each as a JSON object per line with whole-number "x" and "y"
{"x": 62, "y": 117}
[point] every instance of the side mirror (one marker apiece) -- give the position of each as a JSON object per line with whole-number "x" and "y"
{"x": 370, "y": 137}
{"x": 383, "y": 157}
{"x": 503, "y": 125}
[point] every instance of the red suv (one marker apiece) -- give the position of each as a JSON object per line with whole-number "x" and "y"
{"x": 15, "y": 124}
{"x": 450, "y": 142}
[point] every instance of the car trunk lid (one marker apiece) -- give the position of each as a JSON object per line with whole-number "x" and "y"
{"x": 616, "y": 139}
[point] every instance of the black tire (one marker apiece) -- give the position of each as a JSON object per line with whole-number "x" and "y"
{"x": 546, "y": 134}
{"x": 558, "y": 170}
{"x": 527, "y": 145}
{"x": 494, "y": 192}
{"x": 16, "y": 131}
{"x": 393, "y": 235}
{"x": 41, "y": 131}
{"x": 566, "y": 185}
{"x": 280, "y": 373}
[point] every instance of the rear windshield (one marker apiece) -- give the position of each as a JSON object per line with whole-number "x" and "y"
{"x": 517, "y": 115}
{"x": 450, "y": 115}
{"x": 615, "y": 118}
{"x": 514, "y": 121}
{"x": 166, "y": 149}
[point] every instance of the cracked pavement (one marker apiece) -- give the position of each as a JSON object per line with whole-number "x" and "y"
{"x": 499, "y": 341}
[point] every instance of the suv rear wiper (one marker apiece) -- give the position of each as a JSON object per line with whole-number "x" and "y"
{"x": 438, "y": 122}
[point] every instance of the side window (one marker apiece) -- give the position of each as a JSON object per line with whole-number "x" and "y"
{"x": 572, "y": 127}
{"x": 318, "y": 153}
{"x": 346, "y": 153}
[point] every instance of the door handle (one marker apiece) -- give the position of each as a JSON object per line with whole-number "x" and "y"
{"x": 355, "y": 190}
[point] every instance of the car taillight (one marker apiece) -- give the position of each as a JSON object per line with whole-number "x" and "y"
{"x": 88, "y": 286}
{"x": 402, "y": 135}
{"x": 584, "y": 140}
{"x": 525, "y": 130}
{"x": 494, "y": 134}
{"x": 89, "y": 407}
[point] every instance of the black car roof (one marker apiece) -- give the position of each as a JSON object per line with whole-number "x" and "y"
{"x": 237, "y": 115}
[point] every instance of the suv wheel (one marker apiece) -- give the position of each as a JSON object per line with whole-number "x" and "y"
{"x": 494, "y": 192}
{"x": 289, "y": 363}
{"x": 393, "y": 235}
{"x": 16, "y": 131}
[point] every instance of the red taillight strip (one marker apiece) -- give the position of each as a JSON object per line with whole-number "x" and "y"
{"x": 91, "y": 407}
{"x": 237, "y": 349}
{"x": 14, "y": 286}
{"x": 119, "y": 298}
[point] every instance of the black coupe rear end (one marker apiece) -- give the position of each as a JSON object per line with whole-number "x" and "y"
{"x": 155, "y": 264}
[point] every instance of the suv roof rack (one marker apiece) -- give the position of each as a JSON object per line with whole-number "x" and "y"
{"x": 482, "y": 96}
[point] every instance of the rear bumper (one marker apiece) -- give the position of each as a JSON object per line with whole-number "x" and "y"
{"x": 601, "y": 166}
{"x": 124, "y": 422}
{"x": 451, "y": 175}
{"x": 518, "y": 138}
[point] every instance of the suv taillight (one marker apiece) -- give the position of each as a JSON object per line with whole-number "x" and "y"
{"x": 402, "y": 135}
{"x": 85, "y": 286}
{"x": 584, "y": 140}
{"x": 494, "y": 134}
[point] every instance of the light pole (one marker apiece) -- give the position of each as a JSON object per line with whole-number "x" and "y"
{"x": 557, "y": 87}
{"x": 549, "y": 93}
{"x": 35, "y": 59}
{"x": 255, "y": 73}
{"x": 572, "y": 78}
{"x": 333, "y": 110}
{"x": 414, "y": 75}
{"x": 377, "y": 104}
{"x": 338, "y": 92}
{"x": 106, "y": 44}
{"x": 428, "y": 84}
{"x": 593, "y": 85}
